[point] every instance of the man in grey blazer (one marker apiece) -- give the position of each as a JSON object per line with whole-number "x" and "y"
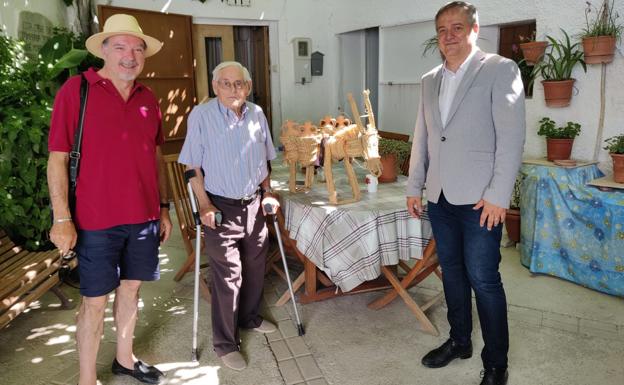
{"x": 467, "y": 149}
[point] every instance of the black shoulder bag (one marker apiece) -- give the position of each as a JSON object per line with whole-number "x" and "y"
{"x": 65, "y": 272}
{"x": 74, "y": 155}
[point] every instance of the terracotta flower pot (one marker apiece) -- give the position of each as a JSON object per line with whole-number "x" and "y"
{"x": 533, "y": 51}
{"x": 512, "y": 224}
{"x": 618, "y": 167}
{"x": 558, "y": 149}
{"x": 598, "y": 49}
{"x": 389, "y": 168}
{"x": 558, "y": 93}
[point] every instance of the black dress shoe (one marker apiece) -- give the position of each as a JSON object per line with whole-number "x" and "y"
{"x": 446, "y": 353}
{"x": 495, "y": 376}
{"x": 142, "y": 372}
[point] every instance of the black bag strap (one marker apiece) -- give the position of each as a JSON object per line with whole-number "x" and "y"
{"x": 74, "y": 155}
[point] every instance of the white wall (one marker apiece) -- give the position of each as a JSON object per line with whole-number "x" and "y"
{"x": 352, "y": 61}
{"x": 294, "y": 18}
{"x": 323, "y": 20}
{"x": 549, "y": 15}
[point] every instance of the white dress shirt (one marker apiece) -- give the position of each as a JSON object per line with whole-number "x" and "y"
{"x": 450, "y": 83}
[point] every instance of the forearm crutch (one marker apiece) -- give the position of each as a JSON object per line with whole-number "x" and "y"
{"x": 268, "y": 208}
{"x": 188, "y": 175}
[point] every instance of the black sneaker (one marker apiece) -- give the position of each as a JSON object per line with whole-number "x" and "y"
{"x": 142, "y": 372}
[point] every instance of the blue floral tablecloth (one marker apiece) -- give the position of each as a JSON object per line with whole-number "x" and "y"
{"x": 572, "y": 230}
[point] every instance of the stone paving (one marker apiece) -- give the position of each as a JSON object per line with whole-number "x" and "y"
{"x": 560, "y": 333}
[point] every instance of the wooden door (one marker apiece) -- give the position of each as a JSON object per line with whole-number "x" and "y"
{"x": 262, "y": 76}
{"x": 169, "y": 73}
{"x": 202, "y": 33}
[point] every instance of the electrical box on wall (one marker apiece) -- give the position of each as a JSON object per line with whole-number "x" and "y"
{"x": 302, "y": 47}
{"x": 317, "y": 63}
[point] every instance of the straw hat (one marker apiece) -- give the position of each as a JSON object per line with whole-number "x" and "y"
{"x": 121, "y": 24}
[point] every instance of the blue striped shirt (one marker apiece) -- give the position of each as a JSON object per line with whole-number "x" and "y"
{"x": 232, "y": 151}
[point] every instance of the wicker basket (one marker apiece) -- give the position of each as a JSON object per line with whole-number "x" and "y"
{"x": 308, "y": 150}
{"x": 354, "y": 147}
{"x": 290, "y": 148}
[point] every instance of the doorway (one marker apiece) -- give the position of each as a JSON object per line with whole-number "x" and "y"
{"x": 248, "y": 45}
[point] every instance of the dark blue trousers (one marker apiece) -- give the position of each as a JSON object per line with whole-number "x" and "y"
{"x": 469, "y": 256}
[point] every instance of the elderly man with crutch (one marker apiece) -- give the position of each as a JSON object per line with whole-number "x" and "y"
{"x": 229, "y": 146}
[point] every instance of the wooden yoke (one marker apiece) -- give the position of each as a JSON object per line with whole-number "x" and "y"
{"x": 369, "y": 138}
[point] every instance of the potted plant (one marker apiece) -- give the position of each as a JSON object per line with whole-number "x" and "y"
{"x": 600, "y": 33}
{"x": 393, "y": 154}
{"x": 556, "y": 68}
{"x": 512, "y": 217}
{"x": 559, "y": 140}
{"x": 532, "y": 50}
{"x": 615, "y": 146}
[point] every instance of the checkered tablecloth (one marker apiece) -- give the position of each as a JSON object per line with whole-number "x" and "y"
{"x": 351, "y": 242}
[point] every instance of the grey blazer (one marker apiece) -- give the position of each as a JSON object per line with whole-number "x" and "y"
{"x": 478, "y": 153}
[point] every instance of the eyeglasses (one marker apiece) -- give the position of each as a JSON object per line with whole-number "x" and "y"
{"x": 227, "y": 85}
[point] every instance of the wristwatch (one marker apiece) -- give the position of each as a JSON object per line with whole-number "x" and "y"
{"x": 165, "y": 205}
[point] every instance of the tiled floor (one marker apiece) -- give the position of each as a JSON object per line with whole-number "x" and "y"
{"x": 560, "y": 333}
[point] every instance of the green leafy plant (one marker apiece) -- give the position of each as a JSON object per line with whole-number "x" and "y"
{"x": 26, "y": 95}
{"x": 548, "y": 128}
{"x": 514, "y": 202}
{"x": 401, "y": 149}
{"x": 559, "y": 61}
{"x": 430, "y": 45}
{"x": 604, "y": 23}
{"x": 615, "y": 144}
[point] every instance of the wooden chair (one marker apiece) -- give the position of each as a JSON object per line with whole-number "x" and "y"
{"x": 402, "y": 137}
{"x": 26, "y": 276}
{"x": 184, "y": 212}
{"x": 415, "y": 274}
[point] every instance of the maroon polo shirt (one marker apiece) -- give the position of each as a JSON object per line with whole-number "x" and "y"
{"x": 118, "y": 178}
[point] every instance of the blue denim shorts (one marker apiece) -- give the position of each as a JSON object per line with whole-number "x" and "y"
{"x": 122, "y": 252}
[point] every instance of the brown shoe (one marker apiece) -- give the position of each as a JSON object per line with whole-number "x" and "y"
{"x": 265, "y": 327}
{"x": 234, "y": 360}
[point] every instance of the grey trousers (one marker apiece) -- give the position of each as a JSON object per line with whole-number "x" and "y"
{"x": 237, "y": 251}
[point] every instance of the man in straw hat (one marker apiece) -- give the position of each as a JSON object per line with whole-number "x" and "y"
{"x": 121, "y": 212}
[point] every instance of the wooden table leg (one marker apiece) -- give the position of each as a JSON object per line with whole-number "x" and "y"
{"x": 413, "y": 306}
{"x": 310, "y": 278}
{"x": 296, "y": 285}
{"x": 407, "y": 280}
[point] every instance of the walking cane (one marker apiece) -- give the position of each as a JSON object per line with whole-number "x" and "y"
{"x": 188, "y": 175}
{"x": 268, "y": 208}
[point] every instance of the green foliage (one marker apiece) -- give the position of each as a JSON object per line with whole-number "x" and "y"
{"x": 67, "y": 53}
{"x": 604, "y": 23}
{"x": 560, "y": 59}
{"x": 401, "y": 149}
{"x": 514, "y": 202}
{"x": 430, "y": 45}
{"x": 548, "y": 129}
{"x": 27, "y": 91}
{"x": 615, "y": 144}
